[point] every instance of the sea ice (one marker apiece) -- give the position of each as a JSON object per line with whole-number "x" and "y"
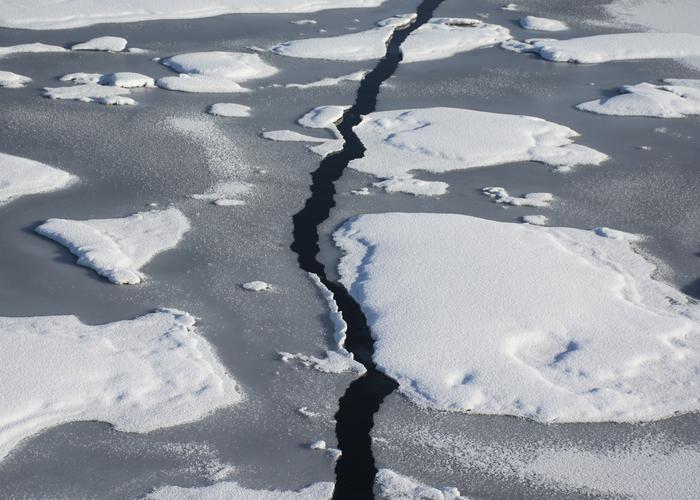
{"x": 127, "y": 80}
{"x": 230, "y": 490}
{"x": 303, "y": 21}
{"x": 548, "y": 323}
{"x": 500, "y": 195}
{"x": 330, "y": 81}
{"x": 29, "y": 48}
{"x": 138, "y": 375}
{"x": 10, "y": 80}
{"x": 389, "y": 485}
{"x": 674, "y": 98}
{"x": 235, "y": 66}
{"x": 81, "y": 78}
{"x": 229, "y": 109}
{"x": 257, "y": 286}
{"x": 542, "y": 24}
{"x": 319, "y": 117}
{"x": 102, "y": 43}
{"x": 90, "y": 92}
{"x": 118, "y": 248}
{"x": 199, "y": 84}
{"x": 409, "y": 185}
{"x": 444, "y": 139}
{"x": 21, "y": 176}
{"x": 535, "y": 220}
{"x": 226, "y": 193}
{"x": 318, "y": 445}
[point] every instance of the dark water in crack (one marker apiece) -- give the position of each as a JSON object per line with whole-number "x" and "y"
{"x": 355, "y": 471}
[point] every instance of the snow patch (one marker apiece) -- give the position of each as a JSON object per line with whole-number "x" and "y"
{"x": 90, "y": 92}
{"x": 21, "y": 177}
{"x": 81, "y": 78}
{"x": 127, "y": 80}
{"x": 235, "y": 66}
{"x": 330, "y": 81}
{"x": 226, "y": 193}
{"x": 319, "y": 117}
{"x": 500, "y": 195}
{"x": 390, "y": 485}
{"x": 233, "y": 491}
{"x": 257, "y": 286}
{"x": 10, "y": 80}
{"x": 408, "y": 184}
{"x": 31, "y": 48}
{"x": 102, "y": 43}
{"x": 229, "y": 109}
{"x": 542, "y": 24}
{"x": 535, "y": 220}
{"x": 199, "y": 84}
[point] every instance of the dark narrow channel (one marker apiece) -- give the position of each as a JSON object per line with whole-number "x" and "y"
{"x": 355, "y": 471}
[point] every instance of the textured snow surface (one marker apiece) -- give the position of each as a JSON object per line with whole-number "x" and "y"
{"x": 229, "y": 109}
{"x": 81, "y": 78}
{"x": 91, "y": 92}
{"x": 50, "y": 14}
{"x": 30, "y": 48}
{"x": 409, "y": 185}
{"x": 118, "y": 248}
{"x": 674, "y": 98}
{"x": 21, "y": 176}
{"x": 444, "y": 139}
{"x": 390, "y": 485}
{"x": 232, "y": 491}
{"x": 443, "y": 37}
{"x": 542, "y": 24}
{"x": 103, "y": 43}
{"x": 235, "y": 66}
{"x": 330, "y": 81}
{"x": 552, "y": 324}
{"x": 257, "y": 286}
{"x": 138, "y": 375}
{"x": 500, "y": 195}
{"x": 199, "y": 84}
{"x": 127, "y": 80}
{"x": 535, "y": 220}
{"x": 10, "y": 80}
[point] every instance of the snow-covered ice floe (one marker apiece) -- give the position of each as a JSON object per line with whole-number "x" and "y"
{"x": 257, "y": 286}
{"x": 390, "y": 485}
{"x": 10, "y": 80}
{"x": 409, "y": 185}
{"x": 230, "y": 490}
{"x": 500, "y": 195}
{"x": 368, "y": 44}
{"x": 548, "y": 323}
{"x": 90, "y": 92}
{"x": 444, "y": 139}
{"x": 49, "y": 14}
{"x": 330, "y": 81}
{"x": 674, "y": 98}
{"x": 126, "y": 80}
{"x": 199, "y": 84}
{"x": 118, "y": 248}
{"x": 21, "y": 176}
{"x": 542, "y": 24}
{"x": 31, "y": 48}
{"x": 535, "y": 220}
{"x": 229, "y": 109}
{"x": 102, "y": 43}
{"x": 138, "y": 375}
{"x": 81, "y": 78}
{"x": 324, "y": 117}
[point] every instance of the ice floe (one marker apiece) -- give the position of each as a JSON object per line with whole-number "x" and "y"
{"x": 10, "y": 80}
{"x": 91, "y": 92}
{"x": 674, "y": 98}
{"x": 118, "y": 248}
{"x": 552, "y": 324}
{"x": 22, "y": 176}
{"x": 303, "y": 21}
{"x": 226, "y": 193}
{"x": 444, "y": 139}
{"x": 81, "y": 78}
{"x": 390, "y": 485}
{"x": 514, "y": 7}
{"x": 500, "y": 195}
{"x": 443, "y": 37}
{"x": 257, "y": 286}
{"x": 235, "y": 66}
{"x": 320, "y": 117}
{"x": 127, "y": 80}
{"x": 229, "y": 109}
{"x": 542, "y": 24}
{"x": 102, "y": 43}
{"x": 330, "y": 81}
{"x": 199, "y": 84}
{"x": 138, "y": 375}
{"x": 32, "y": 48}
{"x": 410, "y": 185}
{"x": 535, "y": 220}
{"x": 230, "y": 490}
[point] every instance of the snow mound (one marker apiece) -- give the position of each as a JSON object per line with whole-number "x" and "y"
{"x": 232, "y": 491}
{"x": 535, "y": 220}
{"x": 90, "y": 92}
{"x": 118, "y": 248}
{"x": 500, "y": 195}
{"x": 10, "y": 80}
{"x": 229, "y": 109}
{"x": 303, "y": 21}
{"x": 138, "y": 375}
{"x": 21, "y": 176}
{"x": 547, "y": 323}
{"x": 235, "y": 66}
{"x": 29, "y": 48}
{"x": 443, "y": 37}
{"x": 127, "y": 80}
{"x": 319, "y": 117}
{"x": 675, "y": 98}
{"x": 444, "y": 139}
{"x": 226, "y": 193}
{"x": 409, "y": 185}
{"x": 257, "y": 286}
{"x": 81, "y": 78}
{"x": 330, "y": 81}
{"x": 199, "y": 84}
{"x": 542, "y": 24}
{"x": 389, "y": 485}
{"x": 102, "y": 43}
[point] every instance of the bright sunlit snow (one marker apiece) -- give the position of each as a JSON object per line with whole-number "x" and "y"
{"x": 91, "y": 92}
{"x": 233, "y": 491}
{"x": 390, "y": 485}
{"x": 235, "y": 66}
{"x": 500, "y": 195}
{"x": 10, "y": 80}
{"x": 127, "y": 80}
{"x": 103, "y": 43}
{"x": 199, "y": 84}
{"x": 410, "y": 185}
{"x": 542, "y": 24}
{"x": 229, "y": 109}
{"x": 22, "y": 176}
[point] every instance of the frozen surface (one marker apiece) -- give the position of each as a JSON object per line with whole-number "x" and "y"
{"x": 10, "y": 80}
{"x": 22, "y": 176}
{"x": 500, "y": 195}
{"x": 139, "y": 375}
{"x": 233, "y": 491}
{"x": 81, "y": 78}
{"x": 91, "y": 92}
{"x": 390, "y": 485}
{"x": 200, "y": 84}
{"x": 226, "y": 193}
{"x": 257, "y": 286}
{"x": 235, "y": 66}
{"x": 49, "y": 14}
{"x": 118, "y": 248}
{"x": 33, "y": 48}
{"x": 444, "y": 139}
{"x": 535, "y": 220}
{"x": 552, "y": 324}
{"x": 674, "y": 98}
{"x": 443, "y": 37}
{"x": 410, "y": 185}
{"x": 319, "y": 117}
{"x": 542, "y": 24}
{"x": 230, "y": 109}
{"x": 102, "y": 43}
{"x": 127, "y": 80}
{"x": 330, "y": 81}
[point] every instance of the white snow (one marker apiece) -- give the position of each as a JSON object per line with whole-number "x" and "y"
{"x": 552, "y": 324}
{"x": 90, "y": 93}
{"x": 318, "y": 445}
{"x": 229, "y": 109}
{"x": 303, "y": 21}
{"x": 390, "y": 485}
{"x": 118, "y": 248}
{"x": 444, "y": 139}
{"x": 257, "y": 286}
{"x": 81, "y": 78}
{"x": 542, "y": 24}
{"x": 226, "y": 193}
{"x": 410, "y": 185}
{"x": 50, "y": 14}
{"x": 535, "y": 220}
{"x": 199, "y": 84}
{"x": 330, "y": 81}
{"x": 233, "y": 491}
{"x": 21, "y": 176}
{"x": 319, "y": 117}
{"x": 127, "y": 80}
{"x": 29, "y": 48}
{"x": 511, "y": 7}
{"x": 138, "y": 375}
{"x": 235, "y": 66}
{"x": 500, "y": 195}
{"x": 102, "y": 43}
{"x": 674, "y": 98}
{"x": 443, "y": 37}
{"x": 10, "y": 80}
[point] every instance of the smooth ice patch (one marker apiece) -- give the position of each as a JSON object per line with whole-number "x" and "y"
{"x": 102, "y": 43}
{"x": 118, "y": 248}
{"x": 500, "y": 195}
{"x": 229, "y": 109}
{"x": 21, "y": 176}
{"x": 548, "y": 323}
{"x": 674, "y": 98}
{"x": 390, "y": 485}
{"x": 542, "y": 24}
{"x": 10, "y": 80}
{"x": 410, "y": 185}
{"x": 91, "y": 92}
{"x": 30, "y": 48}
{"x": 233, "y": 491}
{"x": 138, "y": 375}
{"x": 444, "y": 139}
